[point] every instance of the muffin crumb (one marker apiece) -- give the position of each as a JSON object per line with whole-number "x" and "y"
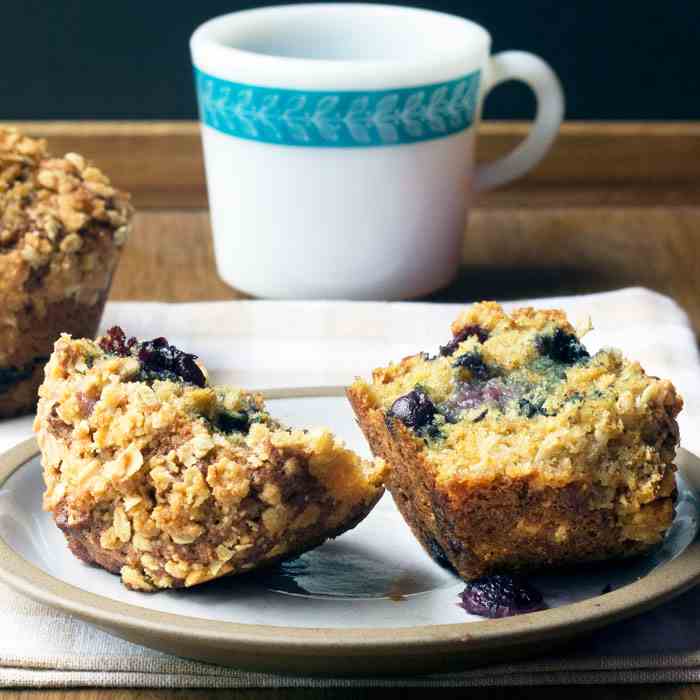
{"x": 146, "y": 480}
{"x": 516, "y": 449}
{"x": 62, "y": 226}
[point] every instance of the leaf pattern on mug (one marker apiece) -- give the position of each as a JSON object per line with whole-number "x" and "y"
{"x": 338, "y": 119}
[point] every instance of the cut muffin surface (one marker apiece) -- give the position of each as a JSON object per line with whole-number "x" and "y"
{"x": 62, "y": 228}
{"x": 154, "y": 474}
{"x": 514, "y": 448}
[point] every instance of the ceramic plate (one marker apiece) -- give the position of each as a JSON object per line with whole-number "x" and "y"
{"x": 369, "y": 602}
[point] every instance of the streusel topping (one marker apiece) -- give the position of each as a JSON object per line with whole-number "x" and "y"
{"x": 61, "y": 225}
{"x": 169, "y": 481}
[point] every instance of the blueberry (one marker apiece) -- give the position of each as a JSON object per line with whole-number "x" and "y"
{"x": 449, "y": 349}
{"x": 114, "y": 341}
{"x": 156, "y": 355}
{"x": 161, "y": 359}
{"x": 495, "y": 391}
{"x": 530, "y": 409}
{"x": 468, "y": 395}
{"x": 501, "y": 596}
{"x": 562, "y": 347}
{"x": 233, "y": 421}
{"x": 186, "y": 368}
{"x": 415, "y": 409}
{"x": 481, "y": 416}
{"x": 475, "y": 364}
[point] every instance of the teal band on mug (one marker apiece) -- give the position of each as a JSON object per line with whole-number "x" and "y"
{"x": 339, "y": 119}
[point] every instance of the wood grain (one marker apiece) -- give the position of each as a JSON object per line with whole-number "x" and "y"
{"x": 507, "y": 253}
{"x": 590, "y": 164}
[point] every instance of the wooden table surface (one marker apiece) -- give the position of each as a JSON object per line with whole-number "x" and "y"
{"x": 614, "y": 205}
{"x": 508, "y": 253}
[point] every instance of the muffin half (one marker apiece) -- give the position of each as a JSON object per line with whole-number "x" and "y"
{"x": 62, "y": 226}
{"x": 154, "y": 474}
{"x": 514, "y": 449}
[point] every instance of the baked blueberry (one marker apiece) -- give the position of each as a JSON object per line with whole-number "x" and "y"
{"x": 501, "y": 596}
{"x": 481, "y": 334}
{"x": 159, "y": 359}
{"x": 232, "y": 421}
{"x": 415, "y": 409}
{"x": 115, "y": 342}
{"x": 530, "y": 408}
{"x": 563, "y": 347}
{"x": 475, "y": 364}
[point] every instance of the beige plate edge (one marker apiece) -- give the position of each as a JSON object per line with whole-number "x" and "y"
{"x": 348, "y": 651}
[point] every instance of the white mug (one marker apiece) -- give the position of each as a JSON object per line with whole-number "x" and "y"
{"x": 339, "y": 144}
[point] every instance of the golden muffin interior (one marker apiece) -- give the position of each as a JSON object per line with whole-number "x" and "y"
{"x": 514, "y": 448}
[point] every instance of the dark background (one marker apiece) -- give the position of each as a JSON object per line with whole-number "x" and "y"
{"x": 618, "y": 59}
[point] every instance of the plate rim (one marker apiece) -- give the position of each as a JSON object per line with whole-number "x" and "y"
{"x": 661, "y": 584}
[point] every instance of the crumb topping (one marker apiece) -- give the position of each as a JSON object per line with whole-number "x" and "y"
{"x": 170, "y": 483}
{"x": 49, "y": 204}
{"x": 61, "y": 226}
{"x": 159, "y": 359}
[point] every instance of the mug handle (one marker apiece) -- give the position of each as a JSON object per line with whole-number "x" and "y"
{"x": 533, "y": 71}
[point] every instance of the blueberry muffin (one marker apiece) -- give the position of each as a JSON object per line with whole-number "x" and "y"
{"x": 156, "y": 475}
{"x": 62, "y": 226}
{"x": 515, "y": 449}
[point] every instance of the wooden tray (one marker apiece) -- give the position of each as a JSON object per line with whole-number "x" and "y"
{"x": 613, "y": 205}
{"x": 592, "y": 163}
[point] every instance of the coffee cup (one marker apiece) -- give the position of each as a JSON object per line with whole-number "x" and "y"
{"x": 339, "y": 144}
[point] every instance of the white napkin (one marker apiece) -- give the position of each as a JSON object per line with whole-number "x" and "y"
{"x": 265, "y": 344}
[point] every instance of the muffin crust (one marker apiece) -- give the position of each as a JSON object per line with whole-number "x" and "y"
{"x": 170, "y": 484}
{"x": 537, "y": 454}
{"x": 62, "y": 226}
